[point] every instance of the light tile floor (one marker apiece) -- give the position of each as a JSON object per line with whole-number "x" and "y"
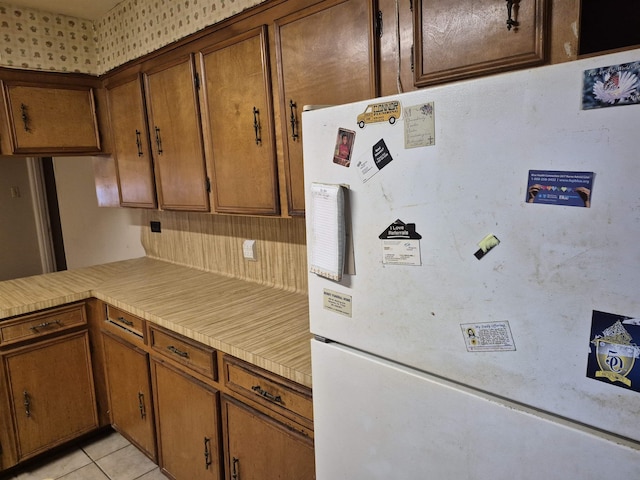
{"x": 108, "y": 457}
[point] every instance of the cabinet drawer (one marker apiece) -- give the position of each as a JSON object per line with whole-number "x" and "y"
{"x": 126, "y": 320}
{"x": 194, "y": 355}
{"x": 280, "y": 394}
{"x": 42, "y": 324}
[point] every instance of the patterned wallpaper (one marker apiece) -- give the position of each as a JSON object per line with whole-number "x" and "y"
{"x": 47, "y": 41}
{"x": 136, "y": 27}
{"x": 44, "y": 41}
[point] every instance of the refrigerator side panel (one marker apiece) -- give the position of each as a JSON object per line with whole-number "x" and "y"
{"x": 377, "y": 420}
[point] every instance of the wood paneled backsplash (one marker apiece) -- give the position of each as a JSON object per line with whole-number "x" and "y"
{"x": 214, "y": 243}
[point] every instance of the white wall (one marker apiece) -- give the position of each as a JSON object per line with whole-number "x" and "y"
{"x": 19, "y": 251}
{"x": 92, "y": 235}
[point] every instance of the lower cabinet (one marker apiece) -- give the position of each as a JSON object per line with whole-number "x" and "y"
{"x": 198, "y": 413}
{"x": 51, "y": 392}
{"x": 129, "y": 387}
{"x": 188, "y": 425}
{"x": 257, "y": 446}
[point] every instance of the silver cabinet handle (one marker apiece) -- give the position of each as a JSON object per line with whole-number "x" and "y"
{"x": 45, "y": 325}
{"x": 178, "y": 352}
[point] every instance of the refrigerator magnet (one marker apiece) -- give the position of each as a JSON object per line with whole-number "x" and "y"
{"x": 401, "y": 244}
{"x": 553, "y": 187}
{"x": 380, "y": 158}
{"x": 380, "y": 112}
{"x": 613, "y": 350}
{"x": 419, "y": 126}
{"x": 611, "y": 86}
{"x": 344, "y": 147}
{"x": 486, "y": 244}
{"x": 488, "y": 337}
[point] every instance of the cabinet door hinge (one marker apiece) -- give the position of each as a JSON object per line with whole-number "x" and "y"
{"x": 207, "y": 184}
{"x": 378, "y": 25}
{"x": 196, "y": 80}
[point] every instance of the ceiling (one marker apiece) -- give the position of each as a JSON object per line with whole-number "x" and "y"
{"x": 88, "y": 9}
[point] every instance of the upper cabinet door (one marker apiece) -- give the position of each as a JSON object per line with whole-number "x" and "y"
{"x": 325, "y": 56}
{"x": 457, "y": 39}
{"x": 238, "y": 104}
{"x": 176, "y": 136}
{"x": 131, "y": 144}
{"x": 51, "y": 118}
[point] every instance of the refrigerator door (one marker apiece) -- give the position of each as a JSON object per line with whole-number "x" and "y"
{"x": 553, "y": 267}
{"x": 379, "y": 420}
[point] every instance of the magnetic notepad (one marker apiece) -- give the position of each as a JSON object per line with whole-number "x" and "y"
{"x": 328, "y": 232}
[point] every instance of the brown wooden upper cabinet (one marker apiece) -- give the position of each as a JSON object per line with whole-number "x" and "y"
{"x": 131, "y": 144}
{"x": 51, "y": 119}
{"x": 239, "y": 125}
{"x": 457, "y": 39}
{"x": 325, "y": 56}
{"x": 176, "y": 135}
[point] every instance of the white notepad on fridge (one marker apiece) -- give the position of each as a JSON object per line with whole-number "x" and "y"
{"x": 328, "y": 231}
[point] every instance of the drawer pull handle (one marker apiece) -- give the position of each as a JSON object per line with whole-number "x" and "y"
{"x": 236, "y": 471}
{"x": 45, "y": 324}
{"x": 125, "y": 321}
{"x": 143, "y": 411}
{"x": 180, "y": 353}
{"x": 269, "y": 396}
{"x": 207, "y": 453}
{"x": 27, "y": 403}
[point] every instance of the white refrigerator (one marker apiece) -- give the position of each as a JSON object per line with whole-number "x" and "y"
{"x": 474, "y": 284}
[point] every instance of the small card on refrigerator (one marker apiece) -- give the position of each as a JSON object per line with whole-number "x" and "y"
{"x": 380, "y": 158}
{"x": 419, "y": 126}
{"x": 401, "y": 244}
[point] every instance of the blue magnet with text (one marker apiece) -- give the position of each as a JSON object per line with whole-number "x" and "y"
{"x": 553, "y": 187}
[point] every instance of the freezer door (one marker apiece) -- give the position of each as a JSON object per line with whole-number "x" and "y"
{"x": 378, "y": 420}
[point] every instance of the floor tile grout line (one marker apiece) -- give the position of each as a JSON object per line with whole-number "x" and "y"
{"x": 81, "y": 449}
{"x": 94, "y": 460}
{"x": 73, "y": 471}
{"x": 105, "y": 473}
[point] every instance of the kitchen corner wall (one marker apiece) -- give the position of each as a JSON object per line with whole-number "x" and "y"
{"x": 38, "y": 40}
{"x": 214, "y": 243}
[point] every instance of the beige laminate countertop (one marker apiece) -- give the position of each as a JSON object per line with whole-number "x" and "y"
{"x": 265, "y": 326}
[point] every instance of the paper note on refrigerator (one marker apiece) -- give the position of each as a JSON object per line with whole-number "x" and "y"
{"x": 327, "y": 236}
